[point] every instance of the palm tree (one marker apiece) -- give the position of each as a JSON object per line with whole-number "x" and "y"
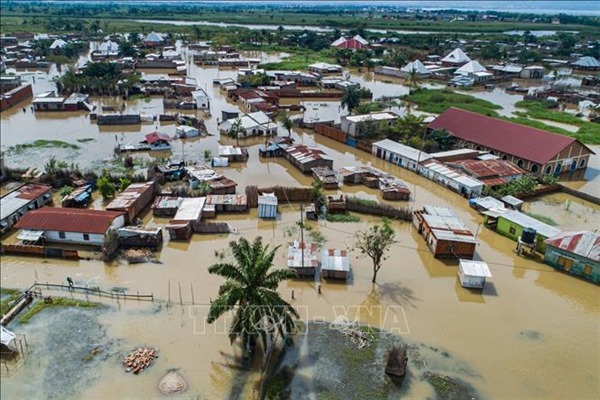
{"x": 350, "y": 98}
{"x": 251, "y": 288}
{"x": 287, "y": 123}
{"x": 235, "y": 131}
{"x": 413, "y": 79}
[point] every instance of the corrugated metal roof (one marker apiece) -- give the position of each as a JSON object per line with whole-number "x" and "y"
{"x": 20, "y": 197}
{"x": 528, "y": 222}
{"x": 335, "y": 260}
{"x": 190, "y": 209}
{"x": 475, "y": 268}
{"x": 585, "y": 244}
{"x": 68, "y": 220}
{"x": 294, "y": 256}
{"x": 129, "y": 195}
{"x": 402, "y": 150}
{"x": 305, "y": 154}
{"x": 515, "y": 139}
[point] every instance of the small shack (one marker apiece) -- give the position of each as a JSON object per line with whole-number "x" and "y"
{"x": 79, "y": 197}
{"x": 445, "y": 234}
{"x": 228, "y": 202}
{"x": 336, "y": 204}
{"x": 267, "y": 205}
{"x": 302, "y": 258}
{"x": 166, "y": 206}
{"x": 140, "y": 237}
{"x": 512, "y": 203}
{"x": 306, "y": 158}
{"x": 327, "y": 176}
{"x": 233, "y": 154}
{"x": 472, "y": 274}
{"x": 133, "y": 199}
{"x": 187, "y": 218}
{"x": 335, "y": 264}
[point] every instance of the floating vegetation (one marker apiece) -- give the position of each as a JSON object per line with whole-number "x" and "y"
{"x": 85, "y": 140}
{"x": 42, "y": 144}
{"x": 56, "y": 302}
{"x": 342, "y": 218}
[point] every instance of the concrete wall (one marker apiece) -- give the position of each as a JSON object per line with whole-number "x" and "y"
{"x": 74, "y": 238}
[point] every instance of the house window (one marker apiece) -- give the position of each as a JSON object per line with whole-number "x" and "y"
{"x": 478, "y": 148}
{"x": 505, "y": 157}
{"x": 520, "y": 163}
{"x": 574, "y": 165}
{"x": 62, "y": 235}
{"x": 587, "y": 270}
{"x": 86, "y": 236}
{"x": 564, "y": 263}
{"x": 512, "y": 230}
{"x": 535, "y": 168}
{"x": 582, "y": 163}
{"x": 548, "y": 169}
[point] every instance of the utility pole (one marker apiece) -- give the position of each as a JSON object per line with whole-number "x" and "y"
{"x": 302, "y": 234}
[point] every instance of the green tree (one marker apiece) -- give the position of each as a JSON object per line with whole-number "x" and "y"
{"x": 287, "y": 123}
{"x": 413, "y": 80}
{"x": 65, "y": 190}
{"x": 317, "y": 194}
{"x": 375, "y": 243}
{"x": 351, "y": 98}
{"x": 105, "y": 187}
{"x": 408, "y": 127}
{"x": 251, "y": 290}
{"x": 123, "y": 183}
{"x": 236, "y": 130}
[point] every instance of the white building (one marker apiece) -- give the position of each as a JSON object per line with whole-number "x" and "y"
{"x": 58, "y": 44}
{"x": 416, "y": 66}
{"x": 109, "y": 48}
{"x": 17, "y": 203}
{"x": 474, "y": 70}
{"x": 354, "y": 124}
{"x": 455, "y": 59}
{"x": 399, "y": 154}
{"x": 460, "y": 183}
{"x": 257, "y": 123}
{"x": 201, "y": 98}
{"x": 69, "y": 225}
{"x": 472, "y": 274}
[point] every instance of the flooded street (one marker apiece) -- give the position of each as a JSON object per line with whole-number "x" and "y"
{"x": 533, "y": 332}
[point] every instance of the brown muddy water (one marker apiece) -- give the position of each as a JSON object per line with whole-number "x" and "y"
{"x": 533, "y": 332}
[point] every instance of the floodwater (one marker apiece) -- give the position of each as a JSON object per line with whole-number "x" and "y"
{"x": 532, "y": 326}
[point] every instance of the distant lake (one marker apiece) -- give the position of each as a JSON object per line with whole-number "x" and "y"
{"x": 572, "y": 7}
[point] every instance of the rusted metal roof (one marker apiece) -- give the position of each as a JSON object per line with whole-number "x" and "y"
{"x": 585, "y": 244}
{"x": 128, "y": 197}
{"x": 68, "y": 220}
{"x": 488, "y": 168}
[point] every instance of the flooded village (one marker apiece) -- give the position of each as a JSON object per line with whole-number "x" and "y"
{"x": 433, "y": 211}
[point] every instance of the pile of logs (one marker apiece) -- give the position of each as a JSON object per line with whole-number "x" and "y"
{"x": 140, "y": 359}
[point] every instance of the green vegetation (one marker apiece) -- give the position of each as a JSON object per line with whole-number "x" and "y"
{"x": 299, "y": 60}
{"x": 250, "y": 290}
{"x": 86, "y": 140}
{"x": 375, "y": 243}
{"x": 42, "y": 143}
{"x": 10, "y": 295}
{"x": 56, "y": 302}
{"x": 589, "y": 132}
{"x": 97, "y": 78}
{"x": 543, "y": 218}
{"x": 342, "y": 218}
{"x": 365, "y": 202}
{"x": 438, "y": 101}
{"x": 105, "y": 186}
{"x": 65, "y": 190}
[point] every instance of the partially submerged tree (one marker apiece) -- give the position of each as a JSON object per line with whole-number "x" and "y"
{"x": 375, "y": 243}
{"x": 235, "y": 131}
{"x": 351, "y": 98}
{"x": 287, "y": 123}
{"x": 251, "y": 291}
{"x": 105, "y": 187}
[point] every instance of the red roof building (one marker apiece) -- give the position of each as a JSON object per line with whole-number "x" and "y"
{"x": 356, "y": 43}
{"x": 155, "y": 137}
{"x": 70, "y": 225}
{"x": 531, "y": 149}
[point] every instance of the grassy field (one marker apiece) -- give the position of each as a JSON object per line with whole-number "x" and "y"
{"x": 56, "y": 302}
{"x": 9, "y": 296}
{"x": 438, "y": 101}
{"x": 589, "y": 132}
{"x": 268, "y": 16}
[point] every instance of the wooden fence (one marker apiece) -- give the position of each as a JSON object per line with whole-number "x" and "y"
{"x": 39, "y": 251}
{"x": 94, "y": 291}
{"x": 402, "y": 213}
{"x": 331, "y": 132}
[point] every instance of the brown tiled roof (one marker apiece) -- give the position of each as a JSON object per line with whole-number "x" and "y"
{"x": 515, "y": 139}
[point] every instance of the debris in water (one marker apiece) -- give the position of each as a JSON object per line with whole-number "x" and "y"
{"x": 139, "y": 359}
{"x": 360, "y": 338}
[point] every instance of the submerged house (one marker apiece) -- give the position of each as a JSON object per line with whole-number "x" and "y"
{"x": 445, "y": 234}
{"x": 399, "y": 154}
{"x": 79, "y": 197}
{"x": 267, "y": 205}
{"x": 531, "y": 149}
{"x": 472, "y": 274}
{"x": 187, "y": 218}
{"x": 302, "y": 258}
{"x": 512, "y": 223}
{"x": 70, "y": 225}
{"x": 335, "y": 264}
{"x": 577, "y": 253}
{"x": 306, "y": 158}
{"x": 158, "y": 141}
{"x": 14, "y": 205}
{"x": 133, "y": 199}
{"x": 456, "y": 58}
{"x": 414, "y": 67}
